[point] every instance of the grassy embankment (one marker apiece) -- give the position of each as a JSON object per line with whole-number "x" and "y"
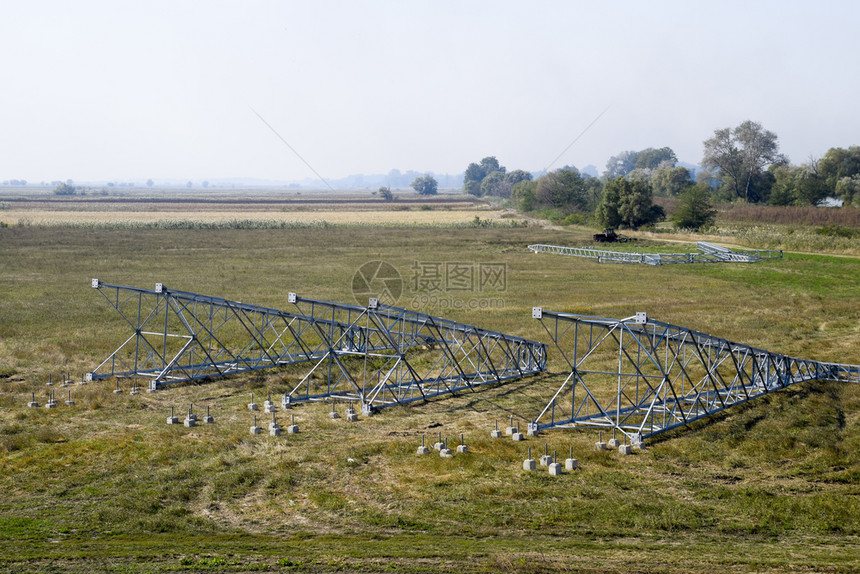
{"x": 106, "y": 485}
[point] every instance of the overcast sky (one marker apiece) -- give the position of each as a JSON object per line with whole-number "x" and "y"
{"x": 106, "y": 90}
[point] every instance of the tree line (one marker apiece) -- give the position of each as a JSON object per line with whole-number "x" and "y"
{"x": 740, "y": 164}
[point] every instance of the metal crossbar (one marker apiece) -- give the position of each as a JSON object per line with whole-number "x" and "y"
{"x": 378, "y": 355}
{"x": 709, "y": 253}
{"x": 643, "y": 377}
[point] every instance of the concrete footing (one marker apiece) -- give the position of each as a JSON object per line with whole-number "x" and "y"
{"x": 496, "y": 434}
{"x": 256, "y": 430}
{"x": 350, "y": 413}
{"x": 172, "y": 420}
{"x": 529, "y": 464}
{"x": 600, "y": 446}
{"x": 624, "y": 449}
{"x": 446, "y": 453}
{"x": 518, "y": 436}
{"x": 545, "y": 460}
{"x": 613, "y": 443}
{"x": 51, "y": 405}
{"x": 554, "y": 468}
{"x": 423, "y": 450}
{"x": 293, "y": 429}
{"x": 190, "y": 421}
{"x": 571, "y": 464}
{"x": 461, "y": 448}
{"x": 275, "y": 430}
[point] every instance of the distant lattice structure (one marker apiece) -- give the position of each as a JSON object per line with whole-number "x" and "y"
{"x": 708, "y": 253}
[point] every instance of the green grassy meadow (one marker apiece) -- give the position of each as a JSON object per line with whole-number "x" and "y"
{"x": 106, "y": 485}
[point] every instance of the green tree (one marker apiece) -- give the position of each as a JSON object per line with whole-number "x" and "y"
{"x": 386, "y": 193}
{"x": 476, "y": 172}
{"x": 740, "y": 155}
{"x": 65, "y": 189}
{"x": 495, "y": 184}
{"x": 473, "y": 178}
{"x": 694, "y": 209}
{"x": 848, "y": 190}
{"x": 621, "y": 164}
{"x": 783, "y": 191}
{"x": 426, "y": 185}
{"x": 838, "y": 163}
{"x": 671, "y": 181}
{"x": 562, "y": 189}
{"x": 651, "y": 158}
{"x": 628, "y": 203}
{"x": 523, "y": 193}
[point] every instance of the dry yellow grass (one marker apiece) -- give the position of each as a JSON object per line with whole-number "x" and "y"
{"x": 43, "y": 217}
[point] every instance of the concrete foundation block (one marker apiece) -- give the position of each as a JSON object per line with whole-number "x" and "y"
{"x": 423, "y": 450}
{"x": 32, "y": 404}
{"x": 256, "y": 430}
{"x": 352, "y": 417}
{"x": 571, "y": 464}
{"x": 554, "y": 469}
{"x": 545, "y": 460}
{"x": 117, "y": 391}
{"x": 173, "y": 420}
{"x": 600, "y": 446}
{"x": 624, "y": 449}
{"x": 333, "y": 415}
{"x": 51, "y": 405}
{"x": 510, "y": 430}
{"x": 461, "y": 448}
{"x": 189, "y": 422}
{"x": 439, "y": 445}
{"x": 293, "y": 429}
{"x": 209, "y": 419}
{"x": 529, "y": 464}
{"x": 270, "y": 408}
{"x": 518, "y": 436}
{"x": 135, "y": 391}
{"x": 446, "y": 453}
{"x": 276, "y": 431}
{"x": 253, "y": 407}
{"x": 613, "y": 443}
{"x": 70, "y": 403}
{"x": 496, "y": 434}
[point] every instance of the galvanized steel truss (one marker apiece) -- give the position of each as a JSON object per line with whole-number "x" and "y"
{"x": 377, "y": 355}
{"x": 709, "y": 253}
{"x": 642, "y": 377}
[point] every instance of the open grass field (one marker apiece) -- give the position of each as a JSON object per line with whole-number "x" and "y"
{"x": 106, "y": 485}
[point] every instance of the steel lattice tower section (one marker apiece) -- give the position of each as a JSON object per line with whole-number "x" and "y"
{"x": 377, "y": 355}
{"x": 400, "y": 356}
{"x": 643, "y": 377}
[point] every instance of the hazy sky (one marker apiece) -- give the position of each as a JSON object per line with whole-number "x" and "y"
{"x": 106, "y": 90}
